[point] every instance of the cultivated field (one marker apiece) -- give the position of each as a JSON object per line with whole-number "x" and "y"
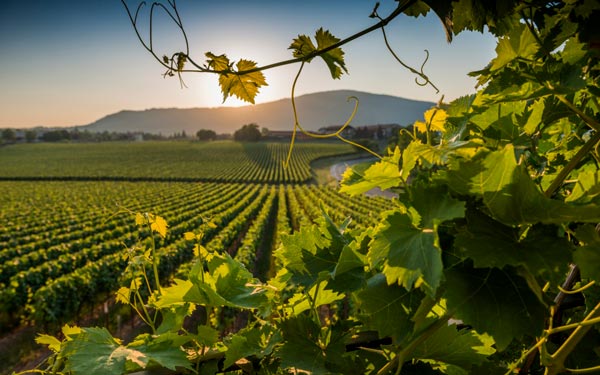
{"x": 68, "y": 215}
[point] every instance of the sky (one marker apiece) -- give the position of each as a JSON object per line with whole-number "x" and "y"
{"x": 70, "y": 63}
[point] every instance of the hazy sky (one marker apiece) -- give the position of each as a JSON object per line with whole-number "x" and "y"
{"x": 69, "y": 62}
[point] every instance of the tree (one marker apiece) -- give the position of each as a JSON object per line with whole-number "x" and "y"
{"x": 501, "y": 203}
{"x": 206, "y": 135}
{"x": 30, "y": 135}
{"x": 9, "y": 135}
{"x": 56, "y": 136}
{"x": 247, "y": 133}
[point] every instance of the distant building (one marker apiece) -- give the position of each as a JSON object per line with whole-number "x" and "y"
{"x": 348, "y": 132}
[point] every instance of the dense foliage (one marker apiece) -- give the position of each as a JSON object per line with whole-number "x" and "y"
{"x": 247, "y": 133}
{"x": 206, "y": 135}
{"x": 494, "y": 225}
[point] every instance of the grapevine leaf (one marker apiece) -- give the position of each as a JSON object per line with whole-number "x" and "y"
{"x": 231, "y": 283}
{"x": 227, "y": 283}
{"x": 52, "y": 342}
{"x": 301, "y": 254}
{"x": 172, "y": 318}
{"x": 306, "y": 349}
{"x": 463, "y": 348}
{"x": 350, "y": 259}
{"x": 302, "y": 47}
{"x": 256, "y": 341}
{"x": 587, "y": 187}
{"x": 388, "y": 308}
{"x": 492, "y": 244}
{"x": 435, "y": 211}
{"x": 498, "y": 114}
{"x": 312, "y": 254}
{"x": 510, "y": 194}
{"x": 588, "y": 255}
{"x": 174, "y": 295}
{"x": 319, "y": 296}
{"x": 435, "y": 118}
{"x": 164, "y": 350}
{"x": 429, "y": 156}
{"x": 159, "y": 225}
{"x": 244, "y": 86}
{"x": 406, "y": 247}
{"x": 123, "y": 295}
{"x": 218, "y": 63}
{"x": 535, "y": 118}
{"x": 333, "y": 58}
{"x": 300, "y": 349}
{"x": 520, "y": 42}
{"x": 207, "y": 335}
{"x": 139, "y": 219}
{"x": 68, "y": 330}
{"x": 94, "y": 352}
{"x": 494, "y": 301}
{"x": 384, "y": 174}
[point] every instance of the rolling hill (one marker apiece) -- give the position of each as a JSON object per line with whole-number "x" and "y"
{"x": 315, "y": 111}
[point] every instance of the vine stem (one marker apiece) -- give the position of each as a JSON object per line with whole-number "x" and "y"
{"x": 154, "y": 258}
{"x": 588, "y": 120}
{"x": 200, "y": 69}
{"x": 567, "y": 169}
{"x": 557, "y": 360}
{"x": 406, "y": 352}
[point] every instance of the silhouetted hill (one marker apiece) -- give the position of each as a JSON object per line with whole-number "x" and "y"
{"x": 314, "y": 110}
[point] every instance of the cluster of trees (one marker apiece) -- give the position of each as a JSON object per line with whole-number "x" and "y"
{"x": 248, "y": 133}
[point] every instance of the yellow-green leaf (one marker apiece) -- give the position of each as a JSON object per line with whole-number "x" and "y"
{"x": 52, "y": 342}
{"x": 159, "y": 225}
{"x": 218, "y": 63}
{"x": 244, "y": 86}
{"x": 302, "y": 47}
{"x": 67, "y": 330}
{"x": 435, "y": 118}
{"x": 140, "y": 219}
{"x": 123, "y": 295}
{"x": 334, "y": 58}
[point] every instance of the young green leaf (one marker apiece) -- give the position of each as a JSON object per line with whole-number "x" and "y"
{"x": 435, "y": 120}
{"x": 159, "y": 225}
{"x": 218, "y": 63}
{"x": 303, "y": 46}
{"x": 244, "y": 86}
{"x": 52, "y": 342}
{"x": 384, "y": 174}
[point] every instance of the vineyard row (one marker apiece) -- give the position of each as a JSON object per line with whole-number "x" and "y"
{"x": 52, "y": 265}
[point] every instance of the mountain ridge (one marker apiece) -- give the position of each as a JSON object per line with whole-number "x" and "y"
{"x": 315, "y": 110}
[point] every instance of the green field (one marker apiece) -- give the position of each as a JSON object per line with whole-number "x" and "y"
{"x": 184, "y": 161}
{"x": 67, "y": 238}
